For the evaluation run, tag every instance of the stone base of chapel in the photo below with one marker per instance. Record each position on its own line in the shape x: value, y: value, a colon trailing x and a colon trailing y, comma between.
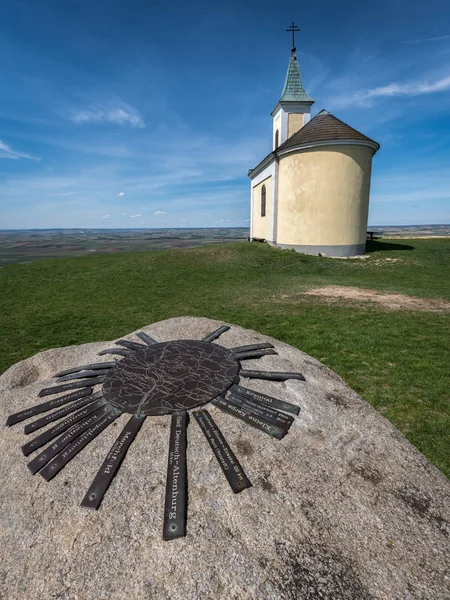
x: 339, y: 251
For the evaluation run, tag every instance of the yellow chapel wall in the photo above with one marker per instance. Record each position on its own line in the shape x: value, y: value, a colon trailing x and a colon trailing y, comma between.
x: 261, y: 225
x: 295, y: 122
x: 323, y: 196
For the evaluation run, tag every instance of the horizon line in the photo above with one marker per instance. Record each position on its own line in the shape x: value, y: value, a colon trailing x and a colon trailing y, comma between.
x: 184, y: 228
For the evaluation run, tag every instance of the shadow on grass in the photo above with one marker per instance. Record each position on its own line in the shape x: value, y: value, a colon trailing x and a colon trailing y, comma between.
x: 376, y: 246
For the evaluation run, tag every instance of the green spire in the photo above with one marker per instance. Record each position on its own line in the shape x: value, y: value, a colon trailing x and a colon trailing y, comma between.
x: 293, y: 90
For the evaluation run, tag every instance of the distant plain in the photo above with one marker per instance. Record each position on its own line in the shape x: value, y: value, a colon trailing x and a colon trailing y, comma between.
x: 24, y: 245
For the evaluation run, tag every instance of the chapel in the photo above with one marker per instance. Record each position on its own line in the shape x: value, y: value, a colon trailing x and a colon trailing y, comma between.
x: 311, y: 193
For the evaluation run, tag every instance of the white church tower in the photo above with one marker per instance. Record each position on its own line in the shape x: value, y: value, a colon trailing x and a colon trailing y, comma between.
x: 293, y: 109
x: 311, y: 193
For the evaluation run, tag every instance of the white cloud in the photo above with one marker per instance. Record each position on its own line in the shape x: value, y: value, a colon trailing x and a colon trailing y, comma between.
x: 120, y: 114
x: 223, y: 221
x: 121, y: 194
x: 7, y: 152
x: 412, y: 88
x: 105, y: 217
x: 171, y: 171
x: 158, y: 213
x: 135, y: 216
x: 432, y: 39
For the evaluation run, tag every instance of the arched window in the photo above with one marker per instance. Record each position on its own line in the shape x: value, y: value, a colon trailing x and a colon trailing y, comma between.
x: 276, y: 139
x: 263, y: 201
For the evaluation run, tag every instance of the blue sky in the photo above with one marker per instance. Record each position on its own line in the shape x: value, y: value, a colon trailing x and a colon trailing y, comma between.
x: 149, y: 114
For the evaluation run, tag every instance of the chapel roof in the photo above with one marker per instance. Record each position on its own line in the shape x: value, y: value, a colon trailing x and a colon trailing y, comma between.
x: 293, y: 90
x: 322, y: 128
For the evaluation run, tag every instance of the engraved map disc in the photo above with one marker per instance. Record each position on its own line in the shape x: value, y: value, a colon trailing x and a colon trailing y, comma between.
x: 170, y: 376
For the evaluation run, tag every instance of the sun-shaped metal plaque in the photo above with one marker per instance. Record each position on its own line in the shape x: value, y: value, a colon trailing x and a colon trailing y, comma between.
x: 155, y: 378
x: 170, y: 376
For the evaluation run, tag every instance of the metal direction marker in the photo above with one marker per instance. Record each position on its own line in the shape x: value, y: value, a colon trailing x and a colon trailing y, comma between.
x: 53, y: 432
x: 266, y: 400
x: 97, y: 373
x: 262, y: 346
x: 230, y: 465
x: 111, y: 464
x: 131, y: 345
x: 65, y: 439
x: 77, y: 445
x: 71, y: 386
x: 154, y: 378
x: 271, y: 375
x: 270, y: 415
x: 175, y: 508
x: 146, y: 338
x: 103, y: 365
x: 170, y: 377
x: 216, y: 333
x: 40, y: 408
x: 62, y: 412
x: 250, y: 418
x: 254, y: 354
x: 115, y: 351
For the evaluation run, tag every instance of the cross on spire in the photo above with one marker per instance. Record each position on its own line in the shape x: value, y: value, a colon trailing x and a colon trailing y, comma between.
x: 293, y: 28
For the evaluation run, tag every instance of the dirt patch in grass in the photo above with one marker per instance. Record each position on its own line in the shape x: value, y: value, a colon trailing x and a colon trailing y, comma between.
x: 337, y: 294
x: 385, y: 261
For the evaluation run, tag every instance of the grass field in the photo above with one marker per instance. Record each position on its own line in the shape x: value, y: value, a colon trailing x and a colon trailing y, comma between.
x: 396, y: 359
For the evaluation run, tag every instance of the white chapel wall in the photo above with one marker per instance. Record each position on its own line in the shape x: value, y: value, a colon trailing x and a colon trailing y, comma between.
x: 276, y: 127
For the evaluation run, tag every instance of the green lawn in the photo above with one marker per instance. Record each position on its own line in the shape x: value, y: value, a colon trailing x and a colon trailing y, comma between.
x: 397, y: 360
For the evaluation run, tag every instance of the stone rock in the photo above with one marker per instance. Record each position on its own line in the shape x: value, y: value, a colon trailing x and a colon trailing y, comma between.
x: 344, y: 507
